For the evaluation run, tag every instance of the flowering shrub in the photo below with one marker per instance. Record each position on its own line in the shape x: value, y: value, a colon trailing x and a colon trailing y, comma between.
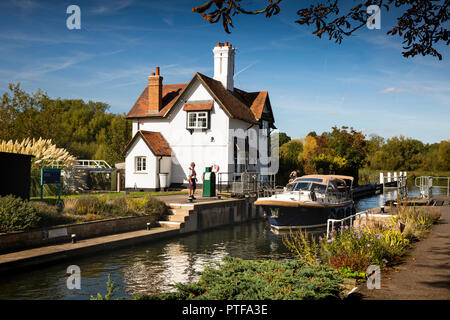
x: 357, y: 248
x: 353, y: 249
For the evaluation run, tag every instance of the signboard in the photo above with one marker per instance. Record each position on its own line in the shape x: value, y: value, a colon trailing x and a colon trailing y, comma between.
x: 50, y: 176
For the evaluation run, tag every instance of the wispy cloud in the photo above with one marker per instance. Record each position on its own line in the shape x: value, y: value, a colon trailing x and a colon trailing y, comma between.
x: 168, y: 21
x: 25, y: 4
x: 51, y: 65
x: 111, y: 7
x: 41, y: 38
x: 391, y: 90
x: 242, y: 70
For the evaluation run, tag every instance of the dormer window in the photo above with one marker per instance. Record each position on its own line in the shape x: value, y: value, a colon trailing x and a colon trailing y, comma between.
x: 197, y: 115
x: 197, y: 120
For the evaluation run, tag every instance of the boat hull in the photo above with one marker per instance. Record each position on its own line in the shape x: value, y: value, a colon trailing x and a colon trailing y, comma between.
x: 305, y: 216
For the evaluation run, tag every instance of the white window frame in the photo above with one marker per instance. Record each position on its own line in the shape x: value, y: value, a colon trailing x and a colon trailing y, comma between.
x: 140, y: 164
x: 198, y: 115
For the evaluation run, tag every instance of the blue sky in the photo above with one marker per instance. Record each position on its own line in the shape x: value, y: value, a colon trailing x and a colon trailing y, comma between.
x: 313, y: 83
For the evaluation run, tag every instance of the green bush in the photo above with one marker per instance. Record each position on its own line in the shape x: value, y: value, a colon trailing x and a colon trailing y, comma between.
x: 49, y: 215
x: 238, y: 279
x: 120, y: 206
x: 17, y: 214
x: 91, y: 205
x: 155, y: 207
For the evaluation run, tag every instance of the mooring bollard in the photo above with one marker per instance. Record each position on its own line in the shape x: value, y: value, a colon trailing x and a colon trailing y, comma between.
x: 148, y: 225
x: 382, y: 209
x: 74, y: 238
x: 219, y: 197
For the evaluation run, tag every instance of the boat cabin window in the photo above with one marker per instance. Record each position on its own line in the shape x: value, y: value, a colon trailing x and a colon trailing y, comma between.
x: 321, y: 188
x: 337, y: 186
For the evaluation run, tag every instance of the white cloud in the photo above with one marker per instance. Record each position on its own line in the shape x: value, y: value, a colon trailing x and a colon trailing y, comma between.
x: 390, y: 90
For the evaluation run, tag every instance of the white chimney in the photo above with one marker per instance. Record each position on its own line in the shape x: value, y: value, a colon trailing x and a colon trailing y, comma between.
x: 224, y: 64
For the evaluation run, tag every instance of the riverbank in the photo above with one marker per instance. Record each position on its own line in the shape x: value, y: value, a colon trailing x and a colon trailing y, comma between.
x: 186, y: 217
x: 423, y: 273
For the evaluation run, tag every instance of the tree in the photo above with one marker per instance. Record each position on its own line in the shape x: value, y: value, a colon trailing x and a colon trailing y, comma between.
x: 341, y: 151
x: 444, y: 156
x: 85, y: 130
x: 283, y: 138
x: 289, y: 160
x: 422, y: 24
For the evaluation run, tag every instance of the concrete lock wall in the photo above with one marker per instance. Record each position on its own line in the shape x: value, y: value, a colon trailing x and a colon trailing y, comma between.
x: 59, y: 234
x: 207, y: 216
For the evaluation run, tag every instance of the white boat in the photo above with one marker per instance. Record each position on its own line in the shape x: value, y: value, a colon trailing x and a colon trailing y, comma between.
x: 309, y: 201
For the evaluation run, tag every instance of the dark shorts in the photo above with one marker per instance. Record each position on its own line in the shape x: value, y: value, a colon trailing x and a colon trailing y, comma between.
x: 193, y: 185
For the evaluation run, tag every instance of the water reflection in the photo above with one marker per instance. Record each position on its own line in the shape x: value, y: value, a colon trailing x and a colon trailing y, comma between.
x: 155, y: 267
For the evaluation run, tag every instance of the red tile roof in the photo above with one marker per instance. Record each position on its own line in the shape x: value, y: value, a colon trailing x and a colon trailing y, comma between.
x: 246, y: 106
x: 170, y: 93
x: 199, y: 106
x: 154, y: 140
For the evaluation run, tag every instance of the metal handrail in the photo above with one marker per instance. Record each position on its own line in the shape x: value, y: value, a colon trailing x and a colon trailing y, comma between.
x: 426, y: 183
x: 332, y: 221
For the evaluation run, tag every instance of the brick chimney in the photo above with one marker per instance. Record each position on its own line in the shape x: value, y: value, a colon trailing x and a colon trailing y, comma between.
x: 224, y: 64
x: 154, y: 92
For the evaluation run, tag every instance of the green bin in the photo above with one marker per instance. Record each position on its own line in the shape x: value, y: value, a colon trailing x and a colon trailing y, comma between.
x: 209, y: 183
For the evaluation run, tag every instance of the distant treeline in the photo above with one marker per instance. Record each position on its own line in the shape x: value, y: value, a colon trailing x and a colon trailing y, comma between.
x: 86, y: 130
x: 345, y: 151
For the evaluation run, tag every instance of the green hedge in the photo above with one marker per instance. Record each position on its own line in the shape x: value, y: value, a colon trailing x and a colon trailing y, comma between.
x: 17, y: 215
x: 238, y: 279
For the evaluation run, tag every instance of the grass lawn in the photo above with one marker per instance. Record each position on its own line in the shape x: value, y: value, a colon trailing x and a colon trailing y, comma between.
x: 110, y: 195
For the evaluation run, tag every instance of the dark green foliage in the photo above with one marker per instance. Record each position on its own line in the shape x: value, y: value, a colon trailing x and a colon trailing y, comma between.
x: 400, y: 153
x: 238, y: 279
x: 16, y: 214
x: 155, y: 207
x: 49, y: 215
x: 289, y: 160
x: 283, y: 138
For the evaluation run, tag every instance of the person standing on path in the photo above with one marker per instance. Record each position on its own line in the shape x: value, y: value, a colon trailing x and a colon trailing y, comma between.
x: 192, y: 181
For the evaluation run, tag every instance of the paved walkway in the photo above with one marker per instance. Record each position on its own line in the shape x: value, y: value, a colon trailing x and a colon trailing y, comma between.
x: 31, y: 257
x: 425, y: 272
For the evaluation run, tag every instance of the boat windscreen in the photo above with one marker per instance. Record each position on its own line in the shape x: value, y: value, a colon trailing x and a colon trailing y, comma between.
x: 309, y: 179
x: 301, y: 186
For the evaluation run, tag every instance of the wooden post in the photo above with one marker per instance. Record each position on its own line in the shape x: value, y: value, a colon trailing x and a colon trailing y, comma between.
x: 118, y: 181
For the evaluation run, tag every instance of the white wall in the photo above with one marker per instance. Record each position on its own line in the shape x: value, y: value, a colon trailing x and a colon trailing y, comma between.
x: 196, y: 147
x: 145, y: 179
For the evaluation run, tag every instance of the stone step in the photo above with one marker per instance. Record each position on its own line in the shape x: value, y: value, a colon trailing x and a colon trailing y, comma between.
x: 178, y: 217
x: 179, y: 211
x: 171, y: 224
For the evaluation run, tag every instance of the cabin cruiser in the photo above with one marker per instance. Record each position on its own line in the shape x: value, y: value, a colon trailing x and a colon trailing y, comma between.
x: 309, y: 201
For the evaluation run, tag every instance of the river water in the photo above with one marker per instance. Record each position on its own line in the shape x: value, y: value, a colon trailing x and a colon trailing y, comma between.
x: 154, y: 267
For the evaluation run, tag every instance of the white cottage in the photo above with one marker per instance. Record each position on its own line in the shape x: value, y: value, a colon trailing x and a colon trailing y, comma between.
x: 207, y: 121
